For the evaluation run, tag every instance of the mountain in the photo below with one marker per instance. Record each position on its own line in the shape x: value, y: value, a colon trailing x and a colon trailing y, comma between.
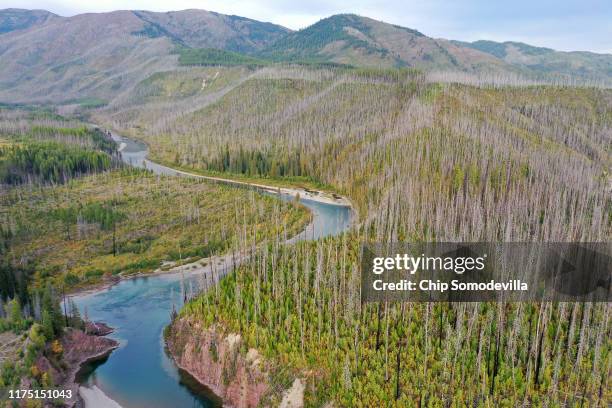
x: 546, y: 60
x: 89, y: 54
x: 102, y: 54
x: 48, y: 58
x: 205, y: 29
x: 20, y: 19
x: 361, y: 41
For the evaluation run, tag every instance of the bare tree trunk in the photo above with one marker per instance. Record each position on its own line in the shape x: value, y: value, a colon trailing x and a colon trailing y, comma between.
x: 378, y: 326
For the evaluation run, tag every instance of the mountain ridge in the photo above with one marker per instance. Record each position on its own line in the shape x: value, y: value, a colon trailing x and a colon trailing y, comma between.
x: 346, y: 38
x: 102, y: 54
x: 5, y: 11
x: 200, y: 29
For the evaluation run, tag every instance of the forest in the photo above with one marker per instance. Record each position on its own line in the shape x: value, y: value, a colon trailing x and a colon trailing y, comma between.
x: 412, y: 149
x: 37, y: 146
x: 71, y: 216
x: 300, y: 307
x: 421, y: 161
x: 425, y: 139
x: 48, y: 162
x: 40, y: 148
x: 42, y: 325
x: 130, y: 221
x: 422, y: 158
x: 215, y: 57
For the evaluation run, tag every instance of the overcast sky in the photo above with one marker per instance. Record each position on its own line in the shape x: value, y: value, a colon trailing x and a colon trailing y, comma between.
x: 560, y: 24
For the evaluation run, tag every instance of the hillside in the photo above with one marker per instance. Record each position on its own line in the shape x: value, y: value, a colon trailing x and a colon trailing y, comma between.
x: 361, y: 41
x: 421, y: 162
x: 315, y: 123
x: 338, y: 107
x: 71, y: 220
x: 103, y: 54
x: 205, y: 29
x: 92, y: 55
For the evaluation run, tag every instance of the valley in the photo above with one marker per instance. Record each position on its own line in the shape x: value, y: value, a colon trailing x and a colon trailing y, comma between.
x: 205, y: 183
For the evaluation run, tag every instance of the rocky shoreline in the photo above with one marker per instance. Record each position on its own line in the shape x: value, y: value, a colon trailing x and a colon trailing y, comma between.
x: 213, y: 358
x: 215, y: 361
x: 77, y: 348
x: 81, y: 348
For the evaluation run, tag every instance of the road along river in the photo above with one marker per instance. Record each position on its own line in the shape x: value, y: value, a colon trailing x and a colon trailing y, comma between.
x: 139, y: 373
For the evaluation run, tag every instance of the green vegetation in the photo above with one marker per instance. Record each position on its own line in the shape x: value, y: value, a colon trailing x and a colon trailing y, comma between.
x: 213, y: 56
x: 303, y: 47
x: 340, y: 39
x: 307, y: 44
x: 316, y: 124
x: 40, y: 332
x: 422, y: 162
x: 302, y: 311
x: 37, y: 146
x: 422, y: 155
x: 256, y: 164
x: 216, y: 57
x: 80, y: 136
x: 69, y: 219
x: 131, y: 221
x: 48, y: 162
x: 545, y: 62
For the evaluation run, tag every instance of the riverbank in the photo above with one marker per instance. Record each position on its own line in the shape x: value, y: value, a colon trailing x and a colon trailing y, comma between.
x: 59, y: 363
x: 205, y: 265
x: 214, y: 360
x: 301, y: 192
x: 80, y: 349
x: 213, y: 264
x: 321, y: 196
x: 146, y: 303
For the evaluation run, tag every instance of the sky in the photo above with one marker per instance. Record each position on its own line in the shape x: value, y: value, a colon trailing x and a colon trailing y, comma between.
x: 567, y: 25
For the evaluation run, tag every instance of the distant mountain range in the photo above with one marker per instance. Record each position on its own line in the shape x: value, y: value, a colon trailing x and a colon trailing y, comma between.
x: 361, y: 41
x: 546, y: 60
x: 46, y: 57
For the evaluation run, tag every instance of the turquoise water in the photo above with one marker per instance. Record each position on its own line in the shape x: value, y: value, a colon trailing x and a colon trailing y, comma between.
x: 140, y: 373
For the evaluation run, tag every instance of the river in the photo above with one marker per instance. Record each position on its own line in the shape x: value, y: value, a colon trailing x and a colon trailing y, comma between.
x: 140, y: 373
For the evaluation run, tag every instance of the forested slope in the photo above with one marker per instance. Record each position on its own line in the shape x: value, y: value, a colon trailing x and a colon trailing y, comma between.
x: 38, y: 146
x: 73, y: 215
x: 422, y: 161
x: 300, y: 308
x: 458, y: 162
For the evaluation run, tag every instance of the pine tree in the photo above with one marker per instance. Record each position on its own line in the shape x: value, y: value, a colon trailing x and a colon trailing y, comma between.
x: 51, y: 305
